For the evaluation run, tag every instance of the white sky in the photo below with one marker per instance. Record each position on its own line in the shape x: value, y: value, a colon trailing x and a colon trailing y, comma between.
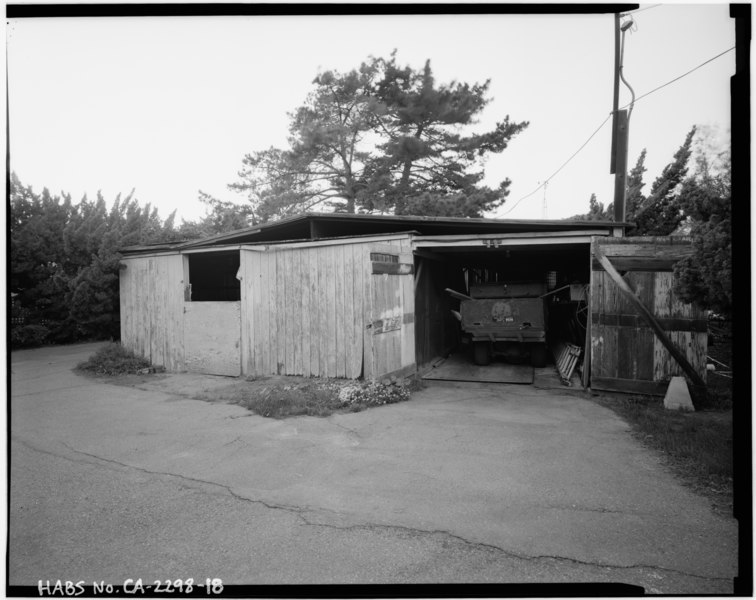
x: 169, y: 106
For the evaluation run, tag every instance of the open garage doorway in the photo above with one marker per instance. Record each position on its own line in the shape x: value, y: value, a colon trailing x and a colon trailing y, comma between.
x: 503, y: 310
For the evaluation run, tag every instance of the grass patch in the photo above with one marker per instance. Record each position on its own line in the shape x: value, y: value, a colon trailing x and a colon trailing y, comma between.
x: 697, y: 445
x: 321, y: 398
x: 113, y: 359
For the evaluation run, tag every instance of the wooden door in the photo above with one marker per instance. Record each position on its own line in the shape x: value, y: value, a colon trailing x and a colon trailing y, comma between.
x: 390, y: 335
x: 626, y: 355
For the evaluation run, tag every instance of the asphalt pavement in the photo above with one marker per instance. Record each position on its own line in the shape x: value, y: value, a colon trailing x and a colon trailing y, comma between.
x: 495, y: 484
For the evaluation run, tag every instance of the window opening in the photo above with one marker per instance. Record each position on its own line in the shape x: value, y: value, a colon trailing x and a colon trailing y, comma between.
x: 212, y: 277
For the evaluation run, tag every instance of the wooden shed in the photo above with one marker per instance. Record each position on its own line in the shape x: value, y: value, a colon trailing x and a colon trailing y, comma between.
x: 363, y: 296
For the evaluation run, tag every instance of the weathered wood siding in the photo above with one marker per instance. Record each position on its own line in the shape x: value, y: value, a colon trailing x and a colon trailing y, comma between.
x: 390, y: 338
x: 151, y: 303
x: 212, y: 333
x: 625, y: 353
x: 305, y: 309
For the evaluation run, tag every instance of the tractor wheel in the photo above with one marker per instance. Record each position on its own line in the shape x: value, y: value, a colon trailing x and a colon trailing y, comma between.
x: 481, y: 353
x: 538, y: 355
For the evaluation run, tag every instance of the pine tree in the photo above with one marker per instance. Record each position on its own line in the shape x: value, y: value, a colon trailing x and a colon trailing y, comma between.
x: 427, y: 156
x: 661, y: 212
x: 380, y: 138
x: 705, y: 278
x: 634, y: 197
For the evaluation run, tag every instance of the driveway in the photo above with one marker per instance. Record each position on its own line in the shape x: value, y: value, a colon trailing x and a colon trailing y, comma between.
x: 496, y: 484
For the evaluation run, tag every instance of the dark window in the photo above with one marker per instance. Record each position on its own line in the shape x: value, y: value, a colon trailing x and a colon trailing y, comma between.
x: 213, y: 277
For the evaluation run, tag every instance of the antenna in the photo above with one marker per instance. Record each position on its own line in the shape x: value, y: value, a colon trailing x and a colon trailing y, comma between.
x: 545, y: 185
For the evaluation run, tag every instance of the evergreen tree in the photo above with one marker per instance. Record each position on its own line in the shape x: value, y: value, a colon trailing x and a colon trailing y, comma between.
x: 427, y: 156
x: 39, y: 269
x: 380, y: 138
x: 64, y: 262
x: 634, y: 197
x: 662, y: 212
x: 705, y: 278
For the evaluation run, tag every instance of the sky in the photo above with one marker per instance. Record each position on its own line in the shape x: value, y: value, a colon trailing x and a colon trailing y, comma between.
x: 169, y: 106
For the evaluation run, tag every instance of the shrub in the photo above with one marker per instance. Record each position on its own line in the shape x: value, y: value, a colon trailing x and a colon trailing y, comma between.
x: 28, y: 336
x: 113, y: 359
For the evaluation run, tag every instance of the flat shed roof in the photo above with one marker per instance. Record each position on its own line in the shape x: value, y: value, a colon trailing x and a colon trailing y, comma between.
x: 315, y: 226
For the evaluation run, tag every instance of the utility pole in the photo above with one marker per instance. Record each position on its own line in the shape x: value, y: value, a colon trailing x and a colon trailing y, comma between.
x: 615, y: 104
x: 620, y: 131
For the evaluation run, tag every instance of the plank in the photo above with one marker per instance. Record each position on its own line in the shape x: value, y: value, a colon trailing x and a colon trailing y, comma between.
x: 604, y: 347
x: 300, y: 286
x: 253, y: 301
x: 408, y: 351
x: 151, y: 298
x: 325, y: 311
x: 159, y: 308
x: 368, y: 354
x: 271, y: 349
x: 642, y: 263
x: 178, y: 314
x: 349, y: 308
x: 635, y: 320
x: 629, y: 386
x: 304, y: 273
x: 289, y: 302
x: 315, y: 316
x: 280, y: 309
x: 663, y: 296
x: 246, y: 350
x: 340, y: 302
x: 358, y: 322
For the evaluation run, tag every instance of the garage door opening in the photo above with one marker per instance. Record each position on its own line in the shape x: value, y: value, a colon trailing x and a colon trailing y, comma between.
x: 514, y: 312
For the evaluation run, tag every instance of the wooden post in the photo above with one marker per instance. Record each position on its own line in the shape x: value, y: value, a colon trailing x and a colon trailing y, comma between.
x: 648, y: 317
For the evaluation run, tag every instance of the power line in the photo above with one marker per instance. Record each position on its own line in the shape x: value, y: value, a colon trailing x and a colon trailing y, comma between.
x: 683, y: 75
x: 546, y: 181
x: 637, y: 10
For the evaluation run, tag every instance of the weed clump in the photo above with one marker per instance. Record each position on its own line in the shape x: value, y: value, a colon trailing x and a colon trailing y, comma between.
x: 320, y: 399
x: 113, y: 359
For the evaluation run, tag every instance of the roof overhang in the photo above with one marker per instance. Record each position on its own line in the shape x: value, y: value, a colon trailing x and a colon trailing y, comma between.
x: 319, y: 226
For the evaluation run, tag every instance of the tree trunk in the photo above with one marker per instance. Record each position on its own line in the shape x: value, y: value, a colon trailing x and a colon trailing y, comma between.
x: 403, y: 188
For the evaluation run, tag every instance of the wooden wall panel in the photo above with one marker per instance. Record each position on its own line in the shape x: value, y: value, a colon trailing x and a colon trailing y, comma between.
x: 212, y: 338
x: 151, y: 301
x: 305, y: 311
x: 626, y: 354
x: 355, y: 279
x: 337, y: 261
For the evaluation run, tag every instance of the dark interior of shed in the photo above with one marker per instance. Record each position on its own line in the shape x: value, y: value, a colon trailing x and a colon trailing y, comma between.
x: 564, y: 268
x: 212, y: 276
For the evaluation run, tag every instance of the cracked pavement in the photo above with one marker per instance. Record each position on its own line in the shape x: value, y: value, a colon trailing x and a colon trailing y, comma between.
x: 506, y: 484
